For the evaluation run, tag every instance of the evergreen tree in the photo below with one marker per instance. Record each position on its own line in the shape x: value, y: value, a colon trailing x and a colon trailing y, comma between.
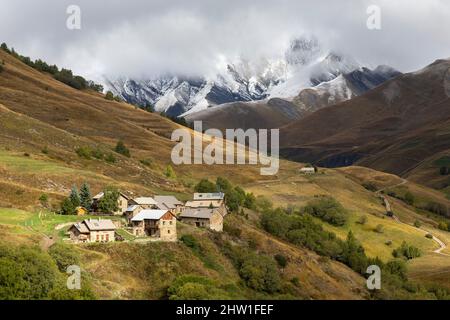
x: 67, y: 207
x: 85, y: 196
x: 75, y: 197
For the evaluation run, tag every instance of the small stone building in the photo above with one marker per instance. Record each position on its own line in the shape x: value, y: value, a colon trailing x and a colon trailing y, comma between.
x: 93, y: 230
x: 161, y: 224
x: 203, y: 217
x: 210, y: 201
x: 169, y: 203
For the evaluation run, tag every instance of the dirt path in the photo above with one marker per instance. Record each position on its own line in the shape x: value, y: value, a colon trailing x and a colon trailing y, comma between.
x: 388, y: 207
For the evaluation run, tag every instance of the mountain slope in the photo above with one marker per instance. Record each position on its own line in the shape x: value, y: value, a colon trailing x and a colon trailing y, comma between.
x: 393, y: 128
x: 277, y: 112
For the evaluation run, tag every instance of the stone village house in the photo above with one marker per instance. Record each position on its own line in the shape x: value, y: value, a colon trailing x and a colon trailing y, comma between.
x: 93, y: 230
x: 208, y: 200
x: 203, y: 217
x: 161, y: 224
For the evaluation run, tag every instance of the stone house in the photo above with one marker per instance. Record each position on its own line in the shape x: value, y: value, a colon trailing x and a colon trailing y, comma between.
x: 211, y: 218
x: 93, y: 230
x: 169, y: 203
x: 208, y: 200
x: 161, y: 224
x: 307, y: 170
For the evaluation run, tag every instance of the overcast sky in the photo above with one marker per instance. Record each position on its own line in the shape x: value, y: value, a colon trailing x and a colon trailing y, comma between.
x: 148, y: 37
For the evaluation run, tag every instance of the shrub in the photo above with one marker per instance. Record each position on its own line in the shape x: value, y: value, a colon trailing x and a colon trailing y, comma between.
x: 110, y: 158
x: 388, y: 243
x: 363, y: 220
x: 45, y: 150
x: 191, y: 242
x: 64, y: 256
x: 205, y: 186
x: 409, y: 198
x: 327, y: 209
x: 232, y: 230
x: 370, y: 186
x: 84, y: 152
x: 281, y: 260
x: 43, y: 199
x: 379, y: 228
x: 260, y: 273
x: 417, y: 224
x: 429, y: 236
x: 109, y: 96
x: 189, y: 287
x: 443, y: 226
x: 170, y: 173
x: 147, y: 162
x: 406, y: 251
x: 122, y: 149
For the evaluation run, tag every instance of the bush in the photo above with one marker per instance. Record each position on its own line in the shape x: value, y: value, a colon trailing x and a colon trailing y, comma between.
x: 370, y: 186
x: 363, y: 220
x: 122, y: 149
x: 84, y: 152
x: 191, y: 242
x: 443, y: 226
x: 147, y: 162
x: 189, y: 287
x: 43, y: 199
x: 232, y: 230
x: 205, y: 186
x: 110, y: 158
x: 64, y: 256
x: 67, y: 207
x: 417, y: 224
x: 109, y: 96
x: 170, y: 173
x: 429, y: 236
x: 406, y: 251
x: 281, y: 260
x: 260, y: 273
x: 327, y: 209
x: 409, y: 198
x: 379, y: 228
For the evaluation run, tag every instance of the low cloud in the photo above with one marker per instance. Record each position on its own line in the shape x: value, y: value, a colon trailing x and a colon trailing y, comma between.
x: 146, y: 38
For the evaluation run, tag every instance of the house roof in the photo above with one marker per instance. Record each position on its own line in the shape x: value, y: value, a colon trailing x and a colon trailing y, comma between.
x: 209, y: 196
x: 133, y: 207
x: 102, y: 194
x: 201, y: 213
x: 98, y: 196
x: 81, y: 227
x: 149, y: 215
x: 204, y: 203
x: 167, y: 202
x: 99, y: 224
x: 145, y: 201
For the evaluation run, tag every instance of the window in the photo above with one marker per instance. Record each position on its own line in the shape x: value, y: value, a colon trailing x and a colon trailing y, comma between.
x: 168, y: 231
x: 107, y: 237
x: 97, y: 238
x: 171, y: 222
